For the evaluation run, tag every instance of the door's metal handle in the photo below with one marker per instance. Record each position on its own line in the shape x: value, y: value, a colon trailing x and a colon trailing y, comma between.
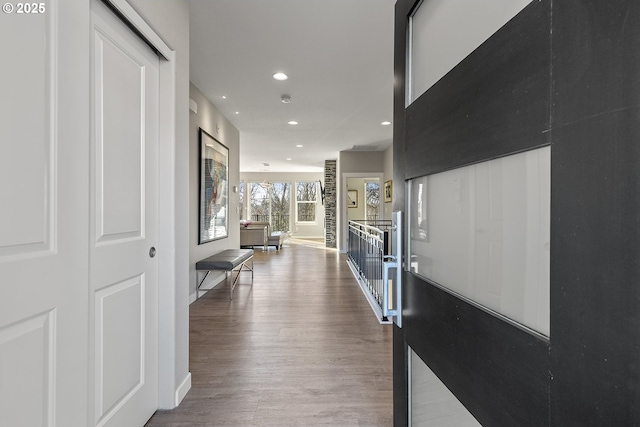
x: 152, y: 252
x: 386, y: 310
x: 392, y: 305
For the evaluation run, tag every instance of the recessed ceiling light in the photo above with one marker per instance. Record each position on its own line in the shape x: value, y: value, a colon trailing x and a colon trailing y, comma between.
x: 299, y: 146
x: 385, y: 123
x: 286, y: 99
x: 224, y: 97
x: 288, y: 158
x: 293, y: 122
x: 280, y: 76
x: 237, y: 112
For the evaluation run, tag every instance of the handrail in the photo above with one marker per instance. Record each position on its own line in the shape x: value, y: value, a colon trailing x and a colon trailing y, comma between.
x: 368, y: 245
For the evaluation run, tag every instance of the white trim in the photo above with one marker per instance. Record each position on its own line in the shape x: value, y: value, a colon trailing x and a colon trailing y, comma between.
x: 167, y: 236
x: 183, y: 389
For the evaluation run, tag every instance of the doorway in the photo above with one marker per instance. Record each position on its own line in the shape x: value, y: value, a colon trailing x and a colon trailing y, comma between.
x: 363, y: 199
x: 360, y: 200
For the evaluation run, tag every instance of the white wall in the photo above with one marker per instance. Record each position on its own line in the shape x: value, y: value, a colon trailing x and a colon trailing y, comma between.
x: 170, y: 19
x: 215, y: 124
x: 302, y: 229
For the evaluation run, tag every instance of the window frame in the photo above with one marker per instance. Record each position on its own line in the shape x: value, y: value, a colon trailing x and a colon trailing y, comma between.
x: 313, y: 202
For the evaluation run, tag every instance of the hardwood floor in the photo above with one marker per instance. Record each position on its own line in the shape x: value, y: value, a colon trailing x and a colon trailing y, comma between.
x: 299, y: 347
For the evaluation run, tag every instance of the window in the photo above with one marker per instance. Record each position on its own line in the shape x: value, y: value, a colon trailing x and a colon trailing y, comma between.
x: 306, y: 192
x: 372, y: 200
x: 270, y: 202
x: 259, y: 206
x: 280, y: 206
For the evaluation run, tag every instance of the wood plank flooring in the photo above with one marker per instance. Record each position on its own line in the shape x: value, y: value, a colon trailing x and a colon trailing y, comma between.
x: 299, y: 347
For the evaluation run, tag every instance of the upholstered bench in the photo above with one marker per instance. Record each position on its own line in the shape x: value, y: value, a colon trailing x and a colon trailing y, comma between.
x: 229, y: 260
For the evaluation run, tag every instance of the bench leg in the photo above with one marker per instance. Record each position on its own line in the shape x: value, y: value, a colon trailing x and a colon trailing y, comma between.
x: 238, y: 271
x: 200, y: 283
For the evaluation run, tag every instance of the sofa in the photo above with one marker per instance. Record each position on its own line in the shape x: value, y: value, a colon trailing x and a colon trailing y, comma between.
x: 254, y: 234
x: 258, y: 233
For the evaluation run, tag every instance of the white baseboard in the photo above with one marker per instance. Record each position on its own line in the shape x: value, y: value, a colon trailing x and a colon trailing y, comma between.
x: 192, y: 298
x: 182, y: 390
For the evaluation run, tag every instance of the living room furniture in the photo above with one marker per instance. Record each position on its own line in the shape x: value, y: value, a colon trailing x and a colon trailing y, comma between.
x: 251, y: 234
x: 277, y: 238
x: 254, y: 234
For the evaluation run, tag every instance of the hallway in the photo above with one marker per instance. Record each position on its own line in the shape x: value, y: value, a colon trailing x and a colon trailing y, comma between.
x: 300, y: 347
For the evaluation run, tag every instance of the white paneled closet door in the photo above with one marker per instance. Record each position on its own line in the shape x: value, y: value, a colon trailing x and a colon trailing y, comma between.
x: 123, y: 224
x: 43, y: 214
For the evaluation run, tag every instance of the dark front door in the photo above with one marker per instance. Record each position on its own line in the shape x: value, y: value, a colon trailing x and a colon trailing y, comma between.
x: 559, y: 81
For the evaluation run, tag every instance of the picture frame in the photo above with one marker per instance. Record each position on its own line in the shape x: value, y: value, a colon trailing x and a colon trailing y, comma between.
x: 388, y: 188
x: 214, y: 189
x: 352, y: 198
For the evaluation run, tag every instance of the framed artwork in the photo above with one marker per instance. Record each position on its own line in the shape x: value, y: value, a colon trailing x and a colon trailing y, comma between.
x: 352, y: 198
x: 214, y: 189
x: 387, y: 191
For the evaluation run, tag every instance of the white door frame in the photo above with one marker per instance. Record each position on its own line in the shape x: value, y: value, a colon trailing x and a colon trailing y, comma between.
x: 169, y: 393
x: 343, y: 225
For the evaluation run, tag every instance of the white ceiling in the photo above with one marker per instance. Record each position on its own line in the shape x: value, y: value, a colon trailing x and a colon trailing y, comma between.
x: 339, y: 58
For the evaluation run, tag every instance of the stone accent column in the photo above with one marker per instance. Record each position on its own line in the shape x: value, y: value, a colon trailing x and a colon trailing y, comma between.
x: 330, y: 203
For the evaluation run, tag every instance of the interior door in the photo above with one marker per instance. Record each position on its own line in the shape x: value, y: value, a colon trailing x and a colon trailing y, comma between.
x: 43, y: 215
x: 123, y: 224
x: 451, y: 137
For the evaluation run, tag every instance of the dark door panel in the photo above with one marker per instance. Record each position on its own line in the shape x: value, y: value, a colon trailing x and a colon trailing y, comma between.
x: 499, y: 371
x: 564, y: 74
x: 493, y: 103
x: 496, y: 102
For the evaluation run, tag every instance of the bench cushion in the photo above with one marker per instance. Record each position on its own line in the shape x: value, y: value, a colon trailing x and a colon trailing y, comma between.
x: 225, y: 260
